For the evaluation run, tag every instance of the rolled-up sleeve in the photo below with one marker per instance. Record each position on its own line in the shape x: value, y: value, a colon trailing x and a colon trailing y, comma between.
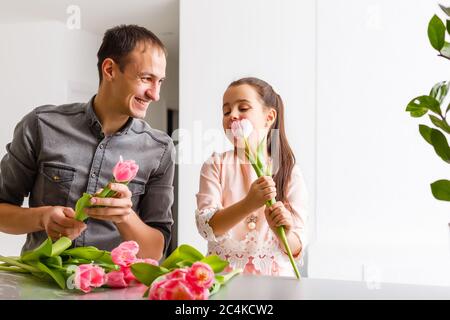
x: 18, y: 167
x: 155, y: 209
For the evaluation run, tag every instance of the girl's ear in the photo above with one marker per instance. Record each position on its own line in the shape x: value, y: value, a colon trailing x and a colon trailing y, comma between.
x: 271, y: 117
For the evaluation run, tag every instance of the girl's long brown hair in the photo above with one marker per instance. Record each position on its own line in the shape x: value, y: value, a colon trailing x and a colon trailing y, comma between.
x: 277, y: 144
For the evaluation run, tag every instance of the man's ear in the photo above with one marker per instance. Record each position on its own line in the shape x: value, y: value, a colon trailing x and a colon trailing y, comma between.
x: 271, y: 117
x: 108, y: 69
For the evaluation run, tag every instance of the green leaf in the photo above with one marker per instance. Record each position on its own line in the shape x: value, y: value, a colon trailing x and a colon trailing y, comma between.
x: 440, y: 123
x: 146, y: 293
x: 439, y: 91
x: 184, y: 264
x: 440, y: 145
x: 420, y: 105
x: 445, y: 51
x: 90, y: 253
x: 441, y: 190
x: 55, y: 262
x: 44, y: 250
x: 14, y: 262
x: 60, y: 245
x: 183, y: 253
x: 216, y: 263
x: 55, y: 274
x: 425, y: 132
x: 83, y: 202
x: 147, y: 273
x: 436, y: 33
x: 445, y: 9
x: 13, y: 269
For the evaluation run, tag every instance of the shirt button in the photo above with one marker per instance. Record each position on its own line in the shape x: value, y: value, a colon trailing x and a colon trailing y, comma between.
x: 102, y: 146
x: 93, y: 175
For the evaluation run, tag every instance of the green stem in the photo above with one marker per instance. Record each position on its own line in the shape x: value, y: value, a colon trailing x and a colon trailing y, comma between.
x: 16, y: 263
x: 13, y: 269
x: 282, y: 235
x: 230, y: 275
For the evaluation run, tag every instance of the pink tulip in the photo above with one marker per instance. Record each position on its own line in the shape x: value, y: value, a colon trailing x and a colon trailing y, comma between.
x: 242, y: 128
x: 125, y: 253
x: 88, y: 276
x: 177, y: 274
x: 125, y: 171
x: 200, y: 275
x: 147, y: 260
x: 116, y: 279
x: 171, y: 289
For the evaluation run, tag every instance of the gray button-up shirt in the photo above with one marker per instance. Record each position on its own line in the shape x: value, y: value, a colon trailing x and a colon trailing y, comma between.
x: 59, y: 152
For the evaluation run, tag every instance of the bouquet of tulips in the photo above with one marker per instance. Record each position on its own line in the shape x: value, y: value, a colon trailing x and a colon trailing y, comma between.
x: 185, y: 275
x: 81, y: 268
x: 242, y: 129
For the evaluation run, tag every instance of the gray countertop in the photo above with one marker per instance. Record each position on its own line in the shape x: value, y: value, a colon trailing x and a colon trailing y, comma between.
x: 25, y: 287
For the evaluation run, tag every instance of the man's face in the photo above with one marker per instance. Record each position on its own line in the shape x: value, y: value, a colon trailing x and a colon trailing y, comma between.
x: 140, y: 82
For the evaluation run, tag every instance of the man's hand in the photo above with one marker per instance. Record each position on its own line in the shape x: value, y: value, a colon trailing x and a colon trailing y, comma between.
x: 117, y: 209
x: 59, y: 221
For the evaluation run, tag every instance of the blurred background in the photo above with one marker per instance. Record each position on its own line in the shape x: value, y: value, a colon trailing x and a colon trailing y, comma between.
x: 346, y: 70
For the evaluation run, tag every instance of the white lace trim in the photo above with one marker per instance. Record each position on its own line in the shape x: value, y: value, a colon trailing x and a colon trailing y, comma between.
x: 202, y: 218
x: 262, y: 253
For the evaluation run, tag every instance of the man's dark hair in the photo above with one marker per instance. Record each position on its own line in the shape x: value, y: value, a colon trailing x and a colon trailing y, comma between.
x: 119, y: 41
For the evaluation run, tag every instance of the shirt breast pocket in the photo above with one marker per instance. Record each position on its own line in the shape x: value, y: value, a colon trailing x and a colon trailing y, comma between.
x: 137, y: 189
x: 57, y: 181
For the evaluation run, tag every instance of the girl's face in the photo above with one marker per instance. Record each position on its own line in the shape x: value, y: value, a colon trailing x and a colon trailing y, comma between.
x: 243, y: 102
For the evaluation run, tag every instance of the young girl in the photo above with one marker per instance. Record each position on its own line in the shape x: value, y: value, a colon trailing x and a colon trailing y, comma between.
x: 231, y: 212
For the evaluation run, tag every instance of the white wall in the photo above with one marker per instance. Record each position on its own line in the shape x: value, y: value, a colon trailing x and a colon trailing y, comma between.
x: 221, y: 41
x: 374, y: 205
x: 41, y: 63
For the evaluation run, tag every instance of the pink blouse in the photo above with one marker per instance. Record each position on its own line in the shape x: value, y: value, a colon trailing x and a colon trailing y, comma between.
x: 225, y: 180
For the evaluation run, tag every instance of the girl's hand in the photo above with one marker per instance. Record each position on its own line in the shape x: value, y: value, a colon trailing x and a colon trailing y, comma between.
x: 277, y: 215
x: 261, y: 190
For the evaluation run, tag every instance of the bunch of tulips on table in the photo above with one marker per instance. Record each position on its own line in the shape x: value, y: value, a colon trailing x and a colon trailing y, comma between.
x: 185, y: 274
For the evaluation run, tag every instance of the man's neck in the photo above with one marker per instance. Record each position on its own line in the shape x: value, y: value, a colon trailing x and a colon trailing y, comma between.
x: 110, y: 120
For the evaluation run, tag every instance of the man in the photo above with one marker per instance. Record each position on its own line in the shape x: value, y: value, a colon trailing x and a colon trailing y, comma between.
x: 59, y: 152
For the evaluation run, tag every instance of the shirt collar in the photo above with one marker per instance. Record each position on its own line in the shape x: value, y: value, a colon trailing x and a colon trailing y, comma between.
x: 95, y: 124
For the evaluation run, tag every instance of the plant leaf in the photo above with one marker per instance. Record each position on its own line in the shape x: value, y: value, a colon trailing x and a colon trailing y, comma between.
x: 440, y: 123
x: 183, y: 253
x: 55, y: 274
x: 440, y: 90
x: 425, y: 132
x: 445, y: 51
x: 420, y: 105
x: 89, y: 253
x: 216, y: 263
x: 440, y: 145
x: 44, y: 250
x: 82, y: 203
x: 441, y: 190
x: 60, y: 245
x: 445, y: 9
x: 436, y: 33
x: 55, y: 262
x: 147, y: 273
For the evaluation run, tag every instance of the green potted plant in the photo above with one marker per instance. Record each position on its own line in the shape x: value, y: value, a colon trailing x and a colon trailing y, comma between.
x: 433, y: 104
